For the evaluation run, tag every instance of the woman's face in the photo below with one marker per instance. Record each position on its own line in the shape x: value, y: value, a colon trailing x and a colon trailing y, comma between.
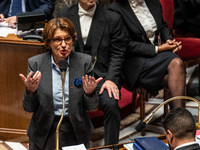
x: 61, y: 45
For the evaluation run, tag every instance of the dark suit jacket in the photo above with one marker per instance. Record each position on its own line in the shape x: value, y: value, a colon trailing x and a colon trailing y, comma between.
x: 41, y: 103
x: 139, y: 48
x: 107, y: 38
x: 190, y: 147
x: 31, y: 5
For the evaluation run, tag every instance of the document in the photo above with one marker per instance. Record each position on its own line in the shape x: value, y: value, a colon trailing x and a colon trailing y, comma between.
x: 5, y: 29
x: 75, y: 147
x: 198, y: 136
x: 128, y: 146
x: 149, y: 143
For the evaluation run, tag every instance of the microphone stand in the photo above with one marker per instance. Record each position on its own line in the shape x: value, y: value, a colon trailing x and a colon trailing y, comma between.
x: 142, y: 124
x: 63, y: 110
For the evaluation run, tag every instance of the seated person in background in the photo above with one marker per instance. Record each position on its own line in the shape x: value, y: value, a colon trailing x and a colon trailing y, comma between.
x: 9, y: 8
x: 180, y: 130
x: 187, y: 16
x: 150, y: 60
x: 43, y: 94
x: 100, y: 34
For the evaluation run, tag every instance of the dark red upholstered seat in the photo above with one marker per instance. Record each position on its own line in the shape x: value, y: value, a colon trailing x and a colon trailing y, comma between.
x: 190, y: 52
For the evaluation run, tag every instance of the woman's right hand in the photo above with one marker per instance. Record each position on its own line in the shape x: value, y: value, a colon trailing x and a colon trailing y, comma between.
x: 31, y: 83
x: 172, y: 45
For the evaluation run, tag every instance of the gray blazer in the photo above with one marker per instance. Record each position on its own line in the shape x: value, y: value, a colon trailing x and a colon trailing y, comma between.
x: 41, y: 103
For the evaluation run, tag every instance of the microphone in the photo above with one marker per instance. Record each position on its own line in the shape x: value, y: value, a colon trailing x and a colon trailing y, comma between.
x: 63, y: 67
x: 142, y: 124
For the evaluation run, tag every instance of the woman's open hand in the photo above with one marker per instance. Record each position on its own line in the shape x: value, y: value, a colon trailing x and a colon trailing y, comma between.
x: 31, y: 83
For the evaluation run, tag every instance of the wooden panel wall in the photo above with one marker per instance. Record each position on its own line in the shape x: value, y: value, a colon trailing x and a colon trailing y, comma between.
x: 13, y: 61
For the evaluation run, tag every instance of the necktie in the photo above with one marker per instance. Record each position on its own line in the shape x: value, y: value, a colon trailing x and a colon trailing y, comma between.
x: 16, y: 7
x: 85, y: 13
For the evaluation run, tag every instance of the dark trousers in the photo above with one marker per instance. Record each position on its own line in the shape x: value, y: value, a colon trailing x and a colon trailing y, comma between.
x: 112, y: 119
x: 67, y: 136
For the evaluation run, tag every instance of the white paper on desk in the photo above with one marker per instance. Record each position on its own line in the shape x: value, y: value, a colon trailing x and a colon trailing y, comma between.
x: 5, y: 29
x: 75, y: 147
x: 3, y: 24
x: 198, y: 139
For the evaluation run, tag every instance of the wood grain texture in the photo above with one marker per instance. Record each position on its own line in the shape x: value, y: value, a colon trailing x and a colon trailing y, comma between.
x: 14, y: 54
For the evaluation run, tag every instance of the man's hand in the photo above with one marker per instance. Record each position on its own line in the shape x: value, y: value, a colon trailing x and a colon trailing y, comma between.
x: 11, y: 21
x: 112, y: 89
x: 1, y: 18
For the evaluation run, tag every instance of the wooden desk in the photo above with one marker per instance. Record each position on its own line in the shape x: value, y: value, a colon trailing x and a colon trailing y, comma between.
x: 120, y: 146
x: 14, y: 53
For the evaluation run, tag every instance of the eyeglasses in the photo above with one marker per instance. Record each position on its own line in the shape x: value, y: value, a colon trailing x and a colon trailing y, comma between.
x: 58, y: 41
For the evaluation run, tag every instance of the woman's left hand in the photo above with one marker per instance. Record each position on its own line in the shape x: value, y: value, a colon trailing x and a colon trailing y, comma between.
x: 89, y: 84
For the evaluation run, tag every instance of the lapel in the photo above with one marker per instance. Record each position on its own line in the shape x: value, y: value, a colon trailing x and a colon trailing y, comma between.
x: 153, y: 8
x: 46, y: 81
x: 97, y: 29
x: 131, y: 15
x: 73, y: 74
x: 72, y: 70
x: 74, y: 17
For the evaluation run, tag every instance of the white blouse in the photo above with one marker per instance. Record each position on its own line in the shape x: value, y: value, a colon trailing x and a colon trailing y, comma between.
x: 145, y: 17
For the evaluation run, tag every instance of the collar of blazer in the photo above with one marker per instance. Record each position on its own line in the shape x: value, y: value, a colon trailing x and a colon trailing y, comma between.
x: 127, y: 10
x: 74, y: 17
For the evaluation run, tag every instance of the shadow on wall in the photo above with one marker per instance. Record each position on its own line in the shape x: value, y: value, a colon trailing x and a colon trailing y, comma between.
x: 67, y: 3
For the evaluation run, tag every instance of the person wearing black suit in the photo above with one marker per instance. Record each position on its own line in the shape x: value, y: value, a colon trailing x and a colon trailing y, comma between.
x: 180, y: 130
x: 43, y: 94
x: 100, y: 34
x: 151, y: 60
x: 187, y: 16
x: 47, y: 6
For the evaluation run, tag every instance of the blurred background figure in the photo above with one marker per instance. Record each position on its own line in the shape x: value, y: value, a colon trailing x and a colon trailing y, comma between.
x: 180, y: 130
x: 187, y: 16
x: 9, y: 8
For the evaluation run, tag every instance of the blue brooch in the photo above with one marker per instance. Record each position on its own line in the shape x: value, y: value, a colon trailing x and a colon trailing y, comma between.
x: 78, y: 82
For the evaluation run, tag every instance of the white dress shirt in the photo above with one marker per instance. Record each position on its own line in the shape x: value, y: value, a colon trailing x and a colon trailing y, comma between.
x: 85, y: 18
x: 57, y: 89
x: 145, y: 18
x: 186, y: 144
